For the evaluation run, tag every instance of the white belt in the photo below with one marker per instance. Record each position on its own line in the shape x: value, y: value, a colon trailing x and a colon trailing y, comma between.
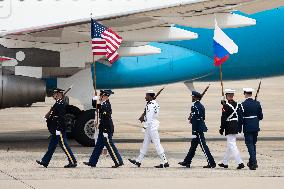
x: 233, y: 119
x: 250, y: 117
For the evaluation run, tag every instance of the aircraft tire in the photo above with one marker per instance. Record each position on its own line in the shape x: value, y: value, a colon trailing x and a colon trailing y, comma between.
x: 83, y: 131
x: 72, y: 113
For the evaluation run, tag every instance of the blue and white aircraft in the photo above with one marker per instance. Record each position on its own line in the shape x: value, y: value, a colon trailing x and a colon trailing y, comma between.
x: 164, y: 42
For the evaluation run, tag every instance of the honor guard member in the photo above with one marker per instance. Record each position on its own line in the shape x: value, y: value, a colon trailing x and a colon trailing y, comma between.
x: 230, y: 125
x: 106, y: 130
x: 251, y: 115
x: 96, y: 106
x: 151, y: 125
x: 196, y: 118
x: 56, y: 126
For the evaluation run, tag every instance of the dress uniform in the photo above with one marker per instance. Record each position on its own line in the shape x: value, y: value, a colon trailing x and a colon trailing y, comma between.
x: 197, y: 117
x: 106, y: 130
x: 56, y: 127
x: 230, y: 124
x: 251, y: 115
x: 151, y: 125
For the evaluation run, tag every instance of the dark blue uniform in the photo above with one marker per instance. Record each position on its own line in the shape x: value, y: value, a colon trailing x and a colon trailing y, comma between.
x: 55, y: 122
x: 197, y: 118
x: 251, y: 114
x: 105, y: 126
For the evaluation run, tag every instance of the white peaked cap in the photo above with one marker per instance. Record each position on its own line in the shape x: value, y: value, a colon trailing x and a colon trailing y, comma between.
x: 230, y: 91
x: 248, y: 90
x: 150, y: 91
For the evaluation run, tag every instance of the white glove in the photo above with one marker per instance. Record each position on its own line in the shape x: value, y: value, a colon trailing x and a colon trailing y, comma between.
x: 95, y: 98
x: 105, y: 135
x: 223, y: 98
x: 57, y: 133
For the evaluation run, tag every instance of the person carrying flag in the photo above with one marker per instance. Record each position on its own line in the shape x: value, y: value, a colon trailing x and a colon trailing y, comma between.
x: 230, y: 124
x: 106, y: 130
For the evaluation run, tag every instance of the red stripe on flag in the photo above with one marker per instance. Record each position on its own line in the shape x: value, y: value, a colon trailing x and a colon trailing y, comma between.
x: 219, y: 61
x: 112, y: 40
x: 2, y: 59
x: 99, y: 53
x: 98, y: 42
x: 112, y: 57
x: 98, y: 47
x: 117, y: 36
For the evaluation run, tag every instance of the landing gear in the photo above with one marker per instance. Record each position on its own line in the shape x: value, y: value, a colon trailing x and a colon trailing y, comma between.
x: 84, y: 131
x: 80, y: 125
x: 72, y: 112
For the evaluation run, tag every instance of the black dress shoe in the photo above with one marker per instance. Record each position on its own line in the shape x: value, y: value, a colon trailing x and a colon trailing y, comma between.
x: 209, y: 166
x: 71, y: 165
x: 248, y: 164
x: 134, y: 162
x: 41, y: 163
x: 163, y: 165
x: 241, y: 166
x: 223, y: 165
x: 89, y: 164
x: 117, y: 165
x: 182, y: 163
x: 253, y: 167
x: 166, y: 165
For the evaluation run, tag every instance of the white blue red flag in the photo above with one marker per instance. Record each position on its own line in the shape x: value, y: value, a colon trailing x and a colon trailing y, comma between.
x: 223, y: 46
x: 104, y: 41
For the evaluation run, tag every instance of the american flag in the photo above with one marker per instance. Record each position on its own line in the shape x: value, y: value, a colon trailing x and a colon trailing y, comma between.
x: 104, y: 41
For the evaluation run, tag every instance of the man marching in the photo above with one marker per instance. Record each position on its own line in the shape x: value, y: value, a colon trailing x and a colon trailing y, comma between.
x: 230, y: 124
x: 197, y: 117
x: 251, y: 115
x: 106, y: 130
x: 151, y: 125
x: 56, y: 127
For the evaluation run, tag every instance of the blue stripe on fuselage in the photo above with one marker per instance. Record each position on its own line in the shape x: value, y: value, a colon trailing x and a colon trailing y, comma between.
x: 261, y: 47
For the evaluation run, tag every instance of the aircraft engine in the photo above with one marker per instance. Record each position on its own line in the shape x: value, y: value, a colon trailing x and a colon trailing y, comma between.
x: 20, y: 91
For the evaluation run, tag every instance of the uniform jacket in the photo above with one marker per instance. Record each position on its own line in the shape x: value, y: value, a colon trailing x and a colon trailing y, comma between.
x: 56, y: 119
x: 230, y: 118
x: 197, y: 117
x: 251, y: 114
x: 106, y: 124
x: 152, y: 115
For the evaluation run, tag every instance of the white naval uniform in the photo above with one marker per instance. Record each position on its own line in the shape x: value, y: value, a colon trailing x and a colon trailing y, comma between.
x: 151, y: 132
x: 232, y: 150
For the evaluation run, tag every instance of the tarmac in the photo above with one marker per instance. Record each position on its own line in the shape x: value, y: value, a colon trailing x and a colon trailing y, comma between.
x: 24, y: 139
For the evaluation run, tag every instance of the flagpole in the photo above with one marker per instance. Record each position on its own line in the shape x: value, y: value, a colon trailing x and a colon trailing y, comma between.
x: 221, y: 79
x: 95, y: 81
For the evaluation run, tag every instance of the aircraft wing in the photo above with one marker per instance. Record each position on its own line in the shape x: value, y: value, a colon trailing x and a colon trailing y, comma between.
x: 137, y: 27
x: 159, y: 16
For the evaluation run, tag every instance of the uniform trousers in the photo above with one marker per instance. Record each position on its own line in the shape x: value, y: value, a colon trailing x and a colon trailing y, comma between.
x: 232, y: 150
x: 199, y: 139
x: 62, y: 140
x: 250, y: 140
x: 105, y: 141
x: 152, y: 135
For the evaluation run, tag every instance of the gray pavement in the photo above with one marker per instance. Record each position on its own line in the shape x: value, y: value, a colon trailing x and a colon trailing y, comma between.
x: 23, y: 139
